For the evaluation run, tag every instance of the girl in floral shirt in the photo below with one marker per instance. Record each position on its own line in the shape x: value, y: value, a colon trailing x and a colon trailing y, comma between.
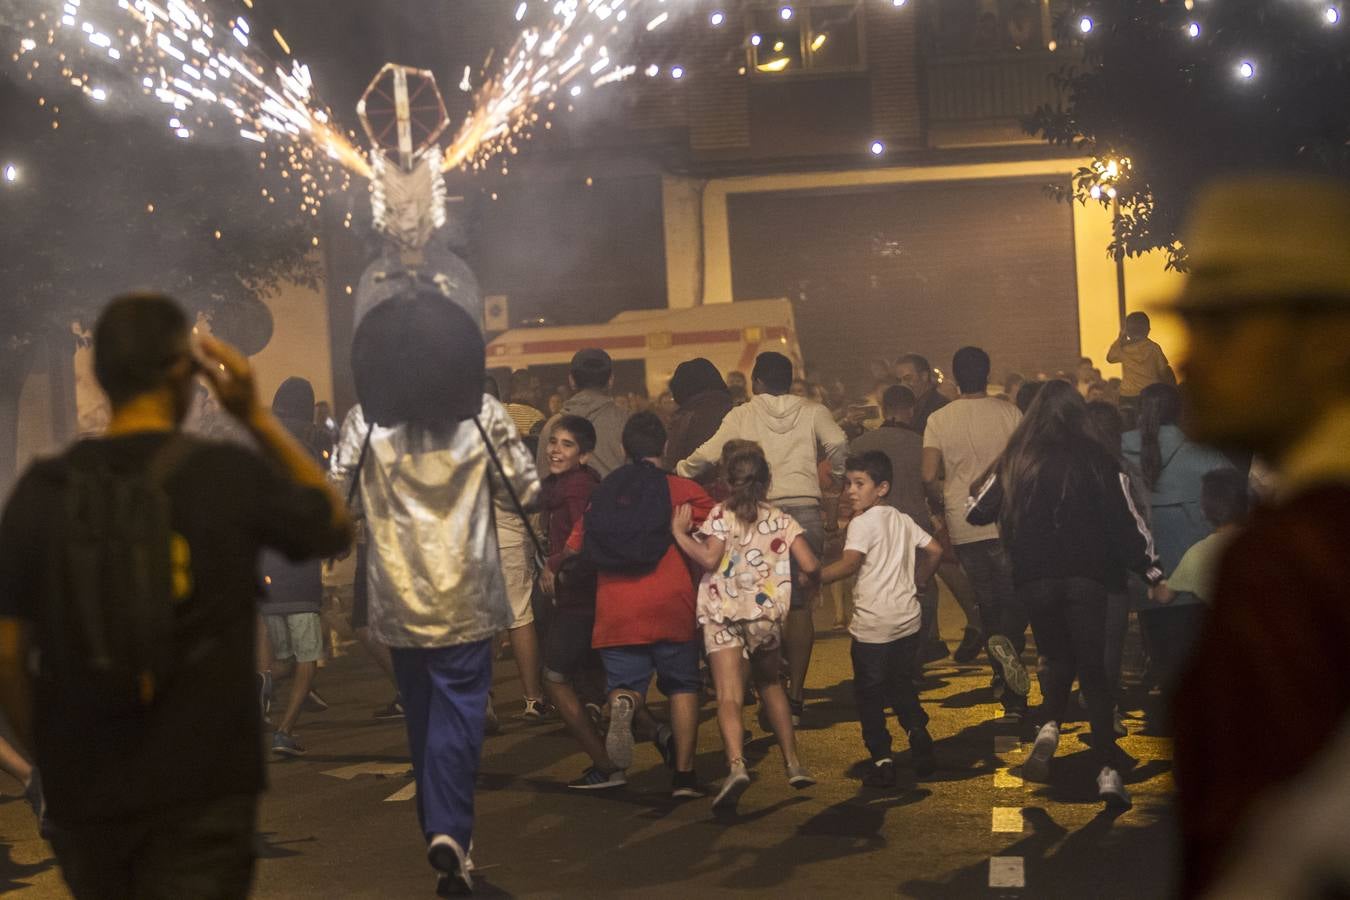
x: 746, y: 547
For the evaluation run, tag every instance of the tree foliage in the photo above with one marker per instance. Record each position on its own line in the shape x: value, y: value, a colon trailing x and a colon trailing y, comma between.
x: 1172, y: 100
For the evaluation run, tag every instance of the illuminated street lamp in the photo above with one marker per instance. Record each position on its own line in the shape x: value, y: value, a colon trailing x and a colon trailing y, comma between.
x: 1109, y: 172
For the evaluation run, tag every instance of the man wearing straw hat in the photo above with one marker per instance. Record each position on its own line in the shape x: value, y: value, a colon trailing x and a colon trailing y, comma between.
x: 1267, y: 306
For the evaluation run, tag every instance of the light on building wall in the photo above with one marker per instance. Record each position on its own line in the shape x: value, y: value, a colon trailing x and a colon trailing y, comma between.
x: 898, y: 3
x: 1193, y: 29
x: 717, y: 19
x: 1246, y: 69
x: 877, y: 148
x: 755, y: 40
x: 576, y: 90
x: 1085, y: 24
x: 11, y: 173
x: 1332, y: 15
x: 785, y: 13
x: 677, y: 72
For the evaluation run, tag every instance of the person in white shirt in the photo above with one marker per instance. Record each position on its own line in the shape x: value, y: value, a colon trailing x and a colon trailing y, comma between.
x: 891, y: 555
x: 961, y: 442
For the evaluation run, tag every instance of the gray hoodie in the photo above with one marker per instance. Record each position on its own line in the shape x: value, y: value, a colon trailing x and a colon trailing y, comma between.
x: 602, y: 412
x: 794, y: 433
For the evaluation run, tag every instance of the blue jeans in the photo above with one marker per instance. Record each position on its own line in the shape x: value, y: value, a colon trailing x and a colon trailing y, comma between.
x: 675, y: 664
x: 444, y: 692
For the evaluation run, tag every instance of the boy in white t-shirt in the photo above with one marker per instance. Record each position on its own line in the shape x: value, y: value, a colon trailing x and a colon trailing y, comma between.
x: 891, y: 555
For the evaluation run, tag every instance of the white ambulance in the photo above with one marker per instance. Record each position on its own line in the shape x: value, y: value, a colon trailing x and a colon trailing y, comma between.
x: 646, y: 345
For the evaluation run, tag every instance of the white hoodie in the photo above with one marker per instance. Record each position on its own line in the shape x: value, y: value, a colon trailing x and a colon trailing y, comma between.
x: 794, y: 433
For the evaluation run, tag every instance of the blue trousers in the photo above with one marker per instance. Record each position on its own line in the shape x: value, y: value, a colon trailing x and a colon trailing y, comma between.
x: 444, y: 692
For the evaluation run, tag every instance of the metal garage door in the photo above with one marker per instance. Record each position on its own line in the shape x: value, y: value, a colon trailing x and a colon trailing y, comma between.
x: 928, y: 268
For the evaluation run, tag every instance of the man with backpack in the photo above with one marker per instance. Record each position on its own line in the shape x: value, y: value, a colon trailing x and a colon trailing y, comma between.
x: 129, y: 565
x: 646, y: 594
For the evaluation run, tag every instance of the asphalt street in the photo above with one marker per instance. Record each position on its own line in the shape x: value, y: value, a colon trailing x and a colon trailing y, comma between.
x: 340, y: 822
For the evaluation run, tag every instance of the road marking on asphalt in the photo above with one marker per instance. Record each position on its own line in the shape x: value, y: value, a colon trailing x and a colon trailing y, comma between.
x: 1008, y: 820
x: 1007, y: 872
x: 383, y: 770
x: 1004, y: 778
x: 405, y: 793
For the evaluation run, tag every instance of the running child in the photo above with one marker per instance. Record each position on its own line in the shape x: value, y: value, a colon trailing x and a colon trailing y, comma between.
x: 571, y: 582
x: 747, y: 548
x: 891, y: 555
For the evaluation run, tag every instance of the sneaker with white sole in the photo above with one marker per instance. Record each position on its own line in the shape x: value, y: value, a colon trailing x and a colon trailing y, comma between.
x: 733, y: 786
x: 1111, y: 788
x: 536, y: 709
x: 799, y: 778
x: 393, y: 711
x: 595, y: 779
x: 1005, y: 656
x: 448, y: 857
x: 1037, y: 766
x: 284, y: 744
x: 684, y: 785
x: 619, y: 739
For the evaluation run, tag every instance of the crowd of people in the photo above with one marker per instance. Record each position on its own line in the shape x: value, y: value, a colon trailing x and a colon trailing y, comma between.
x: 687, y: 543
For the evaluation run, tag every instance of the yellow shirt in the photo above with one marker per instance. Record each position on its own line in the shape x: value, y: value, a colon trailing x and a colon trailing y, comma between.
x: 1142, y: 363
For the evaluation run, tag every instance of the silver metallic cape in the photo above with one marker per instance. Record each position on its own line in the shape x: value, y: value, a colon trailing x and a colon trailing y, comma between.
x: 435, y: 571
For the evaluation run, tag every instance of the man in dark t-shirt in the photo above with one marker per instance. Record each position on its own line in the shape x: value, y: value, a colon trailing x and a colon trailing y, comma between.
x: 162, y: 802
x: 916, y: 373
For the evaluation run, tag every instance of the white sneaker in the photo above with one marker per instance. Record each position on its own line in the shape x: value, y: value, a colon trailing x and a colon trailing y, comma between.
x: 1037, y: 766
x: 1111, y: 788
x: 733, y: 786
x: 448, y: 857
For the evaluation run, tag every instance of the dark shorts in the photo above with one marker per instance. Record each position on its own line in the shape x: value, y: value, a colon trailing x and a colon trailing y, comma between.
x: 204, y: 850
x: 360, y: 590
x: 675, y: 664
x: 567, y: 646
x: 812, y: 521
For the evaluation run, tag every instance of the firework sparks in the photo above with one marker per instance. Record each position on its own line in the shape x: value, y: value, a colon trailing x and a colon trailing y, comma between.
x: 211, y: 70
x: 207, y: 71
x: 571, y: 46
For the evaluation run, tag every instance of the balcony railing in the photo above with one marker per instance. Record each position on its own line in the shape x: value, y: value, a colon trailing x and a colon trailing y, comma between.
x: 1003, y: 87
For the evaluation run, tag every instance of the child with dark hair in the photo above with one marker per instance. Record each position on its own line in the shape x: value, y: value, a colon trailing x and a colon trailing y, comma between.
x: 570, y: 581
x: 1142, y: 361
x: 891, y: 555
x: 746, y: 548
x: 645, y: 620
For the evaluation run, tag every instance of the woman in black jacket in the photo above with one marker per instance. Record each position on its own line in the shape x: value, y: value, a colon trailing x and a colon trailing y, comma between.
x: 1066, y: 516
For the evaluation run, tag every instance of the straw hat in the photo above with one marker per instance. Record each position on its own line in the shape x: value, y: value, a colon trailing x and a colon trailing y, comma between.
x: 1260, y: 238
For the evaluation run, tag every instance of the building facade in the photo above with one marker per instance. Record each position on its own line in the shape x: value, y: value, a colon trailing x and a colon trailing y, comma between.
x: 863, y: 158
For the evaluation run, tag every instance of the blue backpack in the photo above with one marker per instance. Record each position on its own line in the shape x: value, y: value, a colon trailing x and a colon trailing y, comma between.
x: 627, y: 526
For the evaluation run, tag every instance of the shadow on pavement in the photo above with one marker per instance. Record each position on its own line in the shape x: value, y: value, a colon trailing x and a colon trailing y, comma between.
x: 14, y: 875
x: 1093, y: 861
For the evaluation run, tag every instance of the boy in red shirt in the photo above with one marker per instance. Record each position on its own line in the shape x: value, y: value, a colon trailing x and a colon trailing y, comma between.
x: 646, y: 623
x: 570, y: 581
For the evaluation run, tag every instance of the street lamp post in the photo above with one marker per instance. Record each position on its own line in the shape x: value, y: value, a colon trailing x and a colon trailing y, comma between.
x: 1120, y: 257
